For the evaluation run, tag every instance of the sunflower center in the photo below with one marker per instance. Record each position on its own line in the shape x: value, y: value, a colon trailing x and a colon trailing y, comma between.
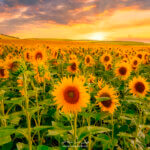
x: 135, y: 62
x: 109, y: 66
x: 140, y: 87
x: 28, y: 56
x: 73, y: 66
x: 71, y: 95
x: 122, y: 70
x: 140, y: 56
x: 108, y: 102
x: 38, y: 56
x: 106, y: 58
x: 55, y: 54
x: 2, y: 72
x: 88, y: 60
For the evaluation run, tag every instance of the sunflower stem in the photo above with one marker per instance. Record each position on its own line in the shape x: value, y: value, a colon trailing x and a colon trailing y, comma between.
x: 38, y: 115
x: 27, y: 113
x: 89, y: 123
x: 75, y: 131
x: 3, y: 113
x: 112, y: 120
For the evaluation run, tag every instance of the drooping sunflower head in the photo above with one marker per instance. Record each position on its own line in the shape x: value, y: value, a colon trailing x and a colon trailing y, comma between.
x: 71, y: 95
x: 139, y: 86
x: 123, y: 70
x: 111, y: 103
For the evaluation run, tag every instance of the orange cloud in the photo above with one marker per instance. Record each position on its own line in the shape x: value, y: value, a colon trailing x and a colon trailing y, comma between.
x: 83, y: 9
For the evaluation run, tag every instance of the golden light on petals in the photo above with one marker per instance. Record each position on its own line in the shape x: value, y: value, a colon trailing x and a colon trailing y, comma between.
x: 139, y: 86
x: 123, y: 70
x: 71, y: 95
x: 111, y: 104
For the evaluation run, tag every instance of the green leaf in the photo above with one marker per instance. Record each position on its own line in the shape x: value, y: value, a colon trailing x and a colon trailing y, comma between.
x: 15, y: 100
x: 56, y: 132
x: 124, y: 134
x: 43, y: 147
x: 4, y: 140
x: 83, y: 132
x: 100, y: 99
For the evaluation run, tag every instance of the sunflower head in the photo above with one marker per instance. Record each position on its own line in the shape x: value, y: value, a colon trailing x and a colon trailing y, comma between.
x: 11, y: 64
x: 106, y: 58
x: 111, y: 103
x: 123, y: 70
x: 73, y: 67
x: 71, y: 95
x: 139, y: 86
x: 108, y: 66
x: 89, y: 61
x: 28, y: 55
x: 39, y: 56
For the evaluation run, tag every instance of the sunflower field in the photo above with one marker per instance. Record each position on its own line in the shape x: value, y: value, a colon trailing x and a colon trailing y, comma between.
x: 73, y: 95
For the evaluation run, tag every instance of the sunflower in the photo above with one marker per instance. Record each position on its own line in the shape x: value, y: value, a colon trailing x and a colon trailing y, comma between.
x: 100, y: 83
x: 135, y: 63
x: 54, y: 54
x: 106, y: 58
x: 11, y: 64
x: 123, y: 70
x: 112, y: 102
x: 91, y: 78
x: 73, y: 68
x: 82, y: 78
x: 139, y: 86
x: 70, y: 95
x: 72, y: 57
x: 27, y: 55
x: 39, y: 56
x: 140, y: 55
x: 108, y: 66
x: 89, y: 61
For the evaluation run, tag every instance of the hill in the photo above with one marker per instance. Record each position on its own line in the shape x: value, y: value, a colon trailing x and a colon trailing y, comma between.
x: 3, y: 36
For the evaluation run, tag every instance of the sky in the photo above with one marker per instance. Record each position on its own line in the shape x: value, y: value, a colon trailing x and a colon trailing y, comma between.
x: 127, y: 20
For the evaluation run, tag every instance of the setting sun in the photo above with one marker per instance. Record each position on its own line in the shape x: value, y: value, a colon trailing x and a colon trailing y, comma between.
x: 97, y: 36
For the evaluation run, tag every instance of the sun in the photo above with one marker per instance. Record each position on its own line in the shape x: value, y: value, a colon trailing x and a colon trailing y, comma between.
x: 97, y: 36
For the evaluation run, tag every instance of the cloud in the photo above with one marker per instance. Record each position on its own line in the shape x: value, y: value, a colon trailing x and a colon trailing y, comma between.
x: 16, y: 14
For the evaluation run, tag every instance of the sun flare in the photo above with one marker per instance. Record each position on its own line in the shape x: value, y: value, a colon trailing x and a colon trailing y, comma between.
x: 97, y: 36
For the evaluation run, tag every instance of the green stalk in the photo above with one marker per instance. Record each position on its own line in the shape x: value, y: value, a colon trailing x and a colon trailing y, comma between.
x: 38, y: 115
x: 89, y: 123
x: 3, y: 113
x: 75, y: 131
x: 44, y: 85
x: 112, y: 120
x: 27, y: 113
